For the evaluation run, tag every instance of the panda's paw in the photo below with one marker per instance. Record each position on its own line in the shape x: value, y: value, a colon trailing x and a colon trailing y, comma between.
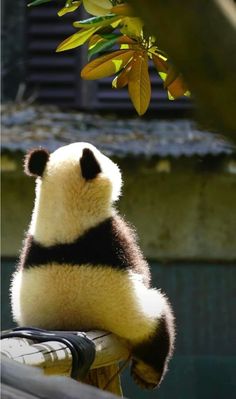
x: 144, y: 375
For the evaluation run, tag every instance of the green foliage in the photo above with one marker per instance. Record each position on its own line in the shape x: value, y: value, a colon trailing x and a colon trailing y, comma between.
x: 123, y: 47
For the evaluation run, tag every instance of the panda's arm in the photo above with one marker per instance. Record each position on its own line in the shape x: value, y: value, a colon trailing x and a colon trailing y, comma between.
x: 126, y: 243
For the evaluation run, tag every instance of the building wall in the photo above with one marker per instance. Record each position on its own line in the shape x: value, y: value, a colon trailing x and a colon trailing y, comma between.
x: 183, y: 209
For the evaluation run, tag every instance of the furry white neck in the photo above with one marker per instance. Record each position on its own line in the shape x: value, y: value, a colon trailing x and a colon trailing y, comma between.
x: 64, y: 220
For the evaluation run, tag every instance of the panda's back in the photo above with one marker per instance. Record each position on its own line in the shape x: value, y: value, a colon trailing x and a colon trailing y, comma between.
x: 112, y: 243
x: 63, y: 296
x: 68, y: 285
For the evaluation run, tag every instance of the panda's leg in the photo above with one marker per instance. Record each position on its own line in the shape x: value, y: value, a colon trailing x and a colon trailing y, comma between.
x: 148, y: 326
x: 150, y: 356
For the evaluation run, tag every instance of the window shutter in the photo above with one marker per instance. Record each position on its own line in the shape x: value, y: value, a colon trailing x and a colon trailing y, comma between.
x: 51, y: 76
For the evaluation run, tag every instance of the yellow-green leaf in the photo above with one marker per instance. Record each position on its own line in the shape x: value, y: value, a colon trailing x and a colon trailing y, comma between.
x: 163, y: 75
x: 97, y: 7
x: 139, y: 83
x: 97, y: 39
x: 77, y: 39
x: 106, y: 65
x: 122, y: 79
x: 69, y: 7
x: 132, y: 27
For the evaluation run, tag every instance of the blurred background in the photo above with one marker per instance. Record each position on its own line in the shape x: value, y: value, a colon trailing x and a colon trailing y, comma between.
x: 179, y: 189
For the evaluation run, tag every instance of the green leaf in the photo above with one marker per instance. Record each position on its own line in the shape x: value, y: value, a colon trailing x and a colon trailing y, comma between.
x: 101, y: 46
x: 97, y: 7
x: 96, y: 21
x: 162, y: 75
x: 38, y: 2
x: 70, y: 6
x: 77, y: 39
x: 109, y: 36
x: 132, y: 27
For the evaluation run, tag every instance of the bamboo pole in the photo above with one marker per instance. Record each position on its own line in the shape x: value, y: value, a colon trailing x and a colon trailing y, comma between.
x: 56, y: 359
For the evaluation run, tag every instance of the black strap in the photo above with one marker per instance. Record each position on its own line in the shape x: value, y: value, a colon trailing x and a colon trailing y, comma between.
x: 82, y: 348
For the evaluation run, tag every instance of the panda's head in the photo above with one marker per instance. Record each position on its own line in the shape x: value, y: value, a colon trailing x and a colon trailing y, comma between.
x: 76, y: 186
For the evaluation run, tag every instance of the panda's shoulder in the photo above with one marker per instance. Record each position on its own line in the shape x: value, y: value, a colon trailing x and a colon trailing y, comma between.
x: 123, y: 231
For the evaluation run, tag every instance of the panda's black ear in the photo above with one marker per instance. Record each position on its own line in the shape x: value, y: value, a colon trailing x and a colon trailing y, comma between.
x: 89, y: 165
x: 35, y: 162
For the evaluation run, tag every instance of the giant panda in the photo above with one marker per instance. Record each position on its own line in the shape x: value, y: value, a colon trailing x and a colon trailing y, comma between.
x: 81, y: 267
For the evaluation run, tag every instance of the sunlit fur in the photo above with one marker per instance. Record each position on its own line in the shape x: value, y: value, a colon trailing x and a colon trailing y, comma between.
x: 86, y: 297
x: 66, y: 205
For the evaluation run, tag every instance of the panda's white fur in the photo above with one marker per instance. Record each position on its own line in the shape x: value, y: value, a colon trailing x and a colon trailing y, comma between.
x: 84, y: 297
x: 63, y: 195
x: 88, y: 298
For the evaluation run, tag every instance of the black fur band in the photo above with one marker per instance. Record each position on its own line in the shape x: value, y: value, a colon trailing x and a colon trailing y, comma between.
x: 105, y: 244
